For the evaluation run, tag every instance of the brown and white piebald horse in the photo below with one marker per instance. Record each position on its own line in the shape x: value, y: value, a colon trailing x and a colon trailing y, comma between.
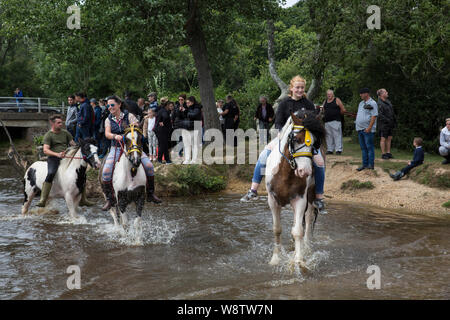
x: 290, y: 180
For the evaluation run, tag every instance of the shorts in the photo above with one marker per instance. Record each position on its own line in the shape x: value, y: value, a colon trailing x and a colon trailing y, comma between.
x: 385, y: 131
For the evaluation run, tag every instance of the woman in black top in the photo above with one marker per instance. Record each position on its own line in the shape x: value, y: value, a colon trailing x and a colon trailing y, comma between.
x: 189, y: 116
x: 163, y: 130
x: 295, y: 102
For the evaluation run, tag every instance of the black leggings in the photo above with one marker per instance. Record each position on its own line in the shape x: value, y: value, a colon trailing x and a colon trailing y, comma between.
x: 52, y: 166
x: 163, y: 146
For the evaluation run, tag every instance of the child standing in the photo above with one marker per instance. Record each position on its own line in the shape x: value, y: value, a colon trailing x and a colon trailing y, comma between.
x: 149, y: 133
x: 419, y: 156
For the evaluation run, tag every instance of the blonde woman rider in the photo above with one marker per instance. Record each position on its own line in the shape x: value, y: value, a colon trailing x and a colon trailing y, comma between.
x: 295, y: 102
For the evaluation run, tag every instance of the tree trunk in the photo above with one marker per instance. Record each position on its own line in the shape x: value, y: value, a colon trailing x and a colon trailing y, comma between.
x: 197, y: 43
x: 272, y: 67
x: 318, y: 70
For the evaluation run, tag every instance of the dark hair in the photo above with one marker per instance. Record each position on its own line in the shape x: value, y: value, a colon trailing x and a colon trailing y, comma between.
x: 80, y: 94
x: 118, y: 100
x: 71, y: 96
x: 54, y: 117
x: 418, y: 141
x: 192, y: 99
x: 182, y: 96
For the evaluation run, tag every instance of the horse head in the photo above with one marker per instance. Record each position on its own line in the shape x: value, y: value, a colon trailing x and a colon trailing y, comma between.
x: 133, y: 145
x: 89, y: 152
x: 299, y: 146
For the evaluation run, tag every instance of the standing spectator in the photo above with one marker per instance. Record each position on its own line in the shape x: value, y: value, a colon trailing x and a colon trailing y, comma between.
x: 71, y: 118
x: 132, y: 107
x: 97, y: 120
x: 163, y: 129
x: 219, y: 106
x: 366, y: 126
x: 141, y: 105
x: 417, y: 160
x: 230, y: 113
x: 177, y: 118
x: 84, y: 117
x: 153, y: 101
x: 264, y: 113
x: 19, y: 95
x: 444, y: 140
x: 333, y: 109
x: 386, y: 123
x: 191, y: 137
x: 149, y: 132
x: 103, y: 147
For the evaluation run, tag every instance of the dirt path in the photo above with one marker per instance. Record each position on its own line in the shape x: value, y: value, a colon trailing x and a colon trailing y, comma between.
x: 404, y: 194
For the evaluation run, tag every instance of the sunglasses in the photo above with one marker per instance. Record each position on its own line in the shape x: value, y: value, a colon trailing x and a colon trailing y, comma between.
x: 111, y: 105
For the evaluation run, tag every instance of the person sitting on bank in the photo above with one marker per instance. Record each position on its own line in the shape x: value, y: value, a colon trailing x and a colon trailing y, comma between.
x: 417, y: 160
x: 55, y: 143
x: 444, y: 149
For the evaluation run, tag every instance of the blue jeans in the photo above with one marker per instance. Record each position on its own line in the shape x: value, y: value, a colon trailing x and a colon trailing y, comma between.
x: 367, y: 148
x: 260, y: 168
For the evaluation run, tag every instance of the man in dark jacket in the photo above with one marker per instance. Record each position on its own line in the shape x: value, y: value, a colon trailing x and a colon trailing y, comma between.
x: 418, y: 158
x: 84, y: 117
x: 386, y: 123
x: 132, y: 106
x: 264, y: 113
x: 163, y: 130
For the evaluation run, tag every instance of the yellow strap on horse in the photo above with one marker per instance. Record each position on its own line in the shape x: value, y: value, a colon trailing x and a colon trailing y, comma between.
x: 297, y: 127
x: 308, y: 138
x: 133, y: 141
x: 302, y: 154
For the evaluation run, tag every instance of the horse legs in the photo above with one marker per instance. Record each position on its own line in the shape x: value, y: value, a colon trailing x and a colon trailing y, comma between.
x: 276, y: 210
x: 27, y: 202
x: 113, y: 212
x: 138, y: 221
x: 299, y: 206
x: 309, y: 222
x: 72, y: 204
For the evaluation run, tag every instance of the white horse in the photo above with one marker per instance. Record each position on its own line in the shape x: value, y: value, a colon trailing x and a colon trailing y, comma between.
x: 70, y: 179
x: 290, y: 179
x: 129, y: 178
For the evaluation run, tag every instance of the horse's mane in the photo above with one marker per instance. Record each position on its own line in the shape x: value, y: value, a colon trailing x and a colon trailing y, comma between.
x: 313, y: 124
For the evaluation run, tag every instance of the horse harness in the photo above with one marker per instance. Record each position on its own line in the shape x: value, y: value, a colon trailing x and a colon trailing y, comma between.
x: 296, y: 152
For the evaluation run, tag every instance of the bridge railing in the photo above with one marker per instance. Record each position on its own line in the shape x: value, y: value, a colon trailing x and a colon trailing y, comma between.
x: 32, y: 104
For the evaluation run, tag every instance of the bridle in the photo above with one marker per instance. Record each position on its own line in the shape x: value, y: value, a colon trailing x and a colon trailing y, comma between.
x: 134, y: 145
x: 296, y: 152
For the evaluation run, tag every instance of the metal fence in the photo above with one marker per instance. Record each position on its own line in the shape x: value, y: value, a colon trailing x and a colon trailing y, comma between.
x: 31, y: 104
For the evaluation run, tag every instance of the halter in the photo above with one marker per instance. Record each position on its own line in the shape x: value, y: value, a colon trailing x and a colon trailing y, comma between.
x: 134, y: 145
x: 296, y: 153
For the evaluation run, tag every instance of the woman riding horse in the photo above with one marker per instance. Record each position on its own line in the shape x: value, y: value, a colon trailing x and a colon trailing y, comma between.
x: 297, y: 101
x: 115, y: 126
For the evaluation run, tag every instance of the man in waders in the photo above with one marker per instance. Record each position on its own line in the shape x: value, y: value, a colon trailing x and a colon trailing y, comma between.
x: 55, y: 143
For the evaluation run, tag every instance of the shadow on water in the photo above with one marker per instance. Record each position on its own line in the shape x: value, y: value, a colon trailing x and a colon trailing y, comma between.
x: 215, y: 247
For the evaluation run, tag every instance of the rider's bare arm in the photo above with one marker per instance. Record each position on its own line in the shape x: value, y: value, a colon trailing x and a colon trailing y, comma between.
x: 49, y: 152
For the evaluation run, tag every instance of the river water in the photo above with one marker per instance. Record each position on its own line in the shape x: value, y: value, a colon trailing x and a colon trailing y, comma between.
x: 215, y: 247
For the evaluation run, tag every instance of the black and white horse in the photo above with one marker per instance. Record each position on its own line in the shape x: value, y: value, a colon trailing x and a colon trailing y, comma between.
x: 129, y: 178
x: 70, y: 179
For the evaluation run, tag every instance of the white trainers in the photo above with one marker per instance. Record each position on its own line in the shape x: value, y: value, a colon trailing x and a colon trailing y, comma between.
x: 249, y: 196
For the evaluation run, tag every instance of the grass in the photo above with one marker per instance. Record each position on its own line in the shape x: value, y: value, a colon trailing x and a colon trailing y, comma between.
x: 446, y: 204
x: 356, y: 185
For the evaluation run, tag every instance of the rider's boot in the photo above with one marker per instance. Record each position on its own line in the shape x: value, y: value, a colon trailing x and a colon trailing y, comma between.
x: 107, y: 189
x: 84, y: 202
x: 46, y: 187
x: 150, y: 188
x: 320, y: 205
